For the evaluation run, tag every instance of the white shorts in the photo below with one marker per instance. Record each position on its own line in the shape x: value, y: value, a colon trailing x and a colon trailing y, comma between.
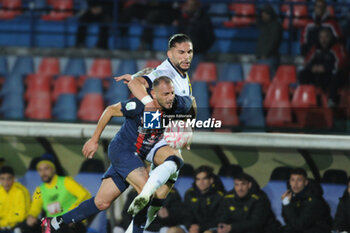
x: 154, y: 150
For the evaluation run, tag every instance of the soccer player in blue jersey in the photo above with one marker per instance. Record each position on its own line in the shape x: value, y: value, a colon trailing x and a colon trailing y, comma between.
x: 127, y: 150
x: 180, y: 54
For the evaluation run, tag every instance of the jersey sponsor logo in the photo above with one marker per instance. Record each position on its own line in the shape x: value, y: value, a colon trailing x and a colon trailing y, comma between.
x: 151, y: 120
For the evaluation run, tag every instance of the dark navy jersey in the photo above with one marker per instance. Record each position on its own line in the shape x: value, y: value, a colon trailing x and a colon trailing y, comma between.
x: 133, y: 136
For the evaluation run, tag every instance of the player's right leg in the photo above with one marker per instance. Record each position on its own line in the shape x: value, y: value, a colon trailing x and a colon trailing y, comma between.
x: 168, y: 162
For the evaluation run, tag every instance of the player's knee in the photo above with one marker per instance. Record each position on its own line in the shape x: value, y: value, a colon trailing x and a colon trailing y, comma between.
x: 102, y: 204
x: 179, y: 161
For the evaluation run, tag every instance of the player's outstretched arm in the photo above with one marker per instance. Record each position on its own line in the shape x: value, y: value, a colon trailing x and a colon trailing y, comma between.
x: 91, y: 146
x: 127, y: 77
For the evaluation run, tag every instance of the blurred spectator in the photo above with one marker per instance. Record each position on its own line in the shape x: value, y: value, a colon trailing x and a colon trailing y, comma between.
x: 324, y: 65
x: 56, y: 195
x: 202, y: 202
x: 151, y: 13
x: 171, y: 213
x: 97, y: 12
x: 303, y: 208
x: 270, y: 36
x: 342, y: 216
x: 14, y: 201
x: 247, y: 209
x: 196, y: 23
x: 321, y: 19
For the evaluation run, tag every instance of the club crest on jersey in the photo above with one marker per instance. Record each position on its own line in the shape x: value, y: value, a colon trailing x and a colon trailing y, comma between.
x: 151, y: 120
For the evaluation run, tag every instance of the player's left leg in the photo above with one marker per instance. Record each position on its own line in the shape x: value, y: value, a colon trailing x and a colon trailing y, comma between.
x: 168, y: 162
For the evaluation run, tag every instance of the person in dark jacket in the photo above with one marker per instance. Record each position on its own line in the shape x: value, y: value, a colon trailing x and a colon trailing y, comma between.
x: 246, y: 209
x: 325, y: 65
x: 171, y: 213
x: 320, y: 19
x: 202, y: 202
x: 303, y: 208
x: 270, y: 36
x: 342, y: 216
x: 96, y: 12
x: 195, y: 22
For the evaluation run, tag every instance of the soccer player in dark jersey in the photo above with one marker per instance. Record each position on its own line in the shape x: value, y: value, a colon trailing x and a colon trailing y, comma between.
x: 127, y: 150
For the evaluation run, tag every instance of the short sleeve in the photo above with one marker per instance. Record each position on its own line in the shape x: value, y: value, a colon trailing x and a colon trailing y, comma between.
x: 156, y: 74
x: 183, y: 104
x: 132, y: 107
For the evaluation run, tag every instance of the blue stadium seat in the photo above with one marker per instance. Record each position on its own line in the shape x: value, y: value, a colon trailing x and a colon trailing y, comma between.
x: 332, y: 193
x: 65, y: 108
x: 91, y: 85
x: 218, y: 13
x: 183, y: 184
x: 3, y: 66
x: 31, y: 180
x: 92, y: 181
x: 231, y: 72
x: 13, y: 84
x: 228, y: 183
x: 274, y: 190
x: 160, y: 37
x: 75, y: 67
x: 23, y: 66
x: 201, y: 93
x: 251, y: 96
x: 135, y: 31
x: 12, y: 106
x: 128, y: 66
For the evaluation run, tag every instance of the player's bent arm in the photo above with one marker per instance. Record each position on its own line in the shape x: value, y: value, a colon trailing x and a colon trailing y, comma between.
x: 109, y: 112
x: 138, y: 88
x: 194, y: 106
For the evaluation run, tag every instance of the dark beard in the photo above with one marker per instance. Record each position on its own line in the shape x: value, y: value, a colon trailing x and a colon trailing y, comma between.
x: 181, y: 69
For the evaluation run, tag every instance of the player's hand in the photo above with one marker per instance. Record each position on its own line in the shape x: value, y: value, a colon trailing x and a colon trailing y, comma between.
x: 125, y: 77
x: 90, y: 147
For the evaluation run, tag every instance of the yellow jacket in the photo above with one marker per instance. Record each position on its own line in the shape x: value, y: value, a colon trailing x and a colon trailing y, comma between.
x: 70, y: 185
x: 14, y: 205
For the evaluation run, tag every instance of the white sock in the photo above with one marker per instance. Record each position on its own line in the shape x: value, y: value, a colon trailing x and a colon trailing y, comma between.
x: 158, y: 177
x: 56, y: 224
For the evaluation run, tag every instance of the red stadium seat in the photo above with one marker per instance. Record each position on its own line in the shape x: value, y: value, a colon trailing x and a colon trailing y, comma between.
x: 37, y: 83
x: 39, y: 106
x: 259, y: 73
x: 279, y: 114
x: 285, y: 74
x: 62, y: 9
x: 227, y: 116
x: 64, y: 85
x: 277, y: 92
x: 244, y: 15
x: 286, y: 7
x: 49, y: 66
x: 91, y: 107
x: 304, y: 97
x: 152, y: 63
x: 304, y: 100
x: 300, y: 17
x: 206, y: 72
x: 101, y: 68
x: 10, y: 9
x: 224, y: 95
